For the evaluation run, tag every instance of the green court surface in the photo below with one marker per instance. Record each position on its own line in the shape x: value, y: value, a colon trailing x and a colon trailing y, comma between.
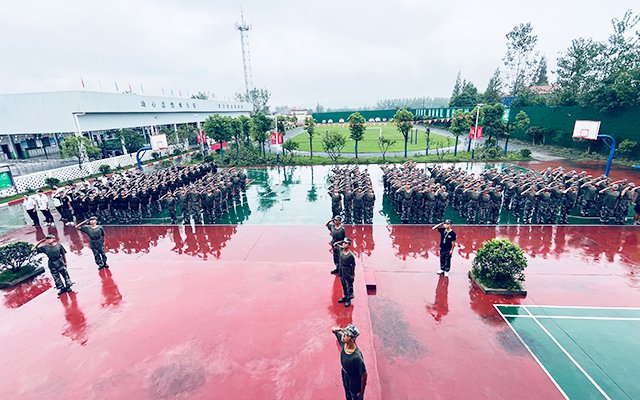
x: 589, y: 353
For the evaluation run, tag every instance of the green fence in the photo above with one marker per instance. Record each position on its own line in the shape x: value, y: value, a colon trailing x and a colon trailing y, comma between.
x: 559, y: 121
x: 336, y: 116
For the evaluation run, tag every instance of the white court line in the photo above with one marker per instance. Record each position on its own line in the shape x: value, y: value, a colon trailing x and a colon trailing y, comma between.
x: 531, y: 352
x: 579, y: 307
x: 572, y: 317
x: 606, y: 396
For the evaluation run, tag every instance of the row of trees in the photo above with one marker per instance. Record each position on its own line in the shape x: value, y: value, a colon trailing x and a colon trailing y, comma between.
x: 601, y: 74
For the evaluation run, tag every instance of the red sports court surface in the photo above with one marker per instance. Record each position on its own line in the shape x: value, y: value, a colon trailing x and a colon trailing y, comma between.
x: 244, y: 312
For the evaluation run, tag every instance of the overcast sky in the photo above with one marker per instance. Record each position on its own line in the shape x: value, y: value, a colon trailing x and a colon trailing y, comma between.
x: 337, y: 53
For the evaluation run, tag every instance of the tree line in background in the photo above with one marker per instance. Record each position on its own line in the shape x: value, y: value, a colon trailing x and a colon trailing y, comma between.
x: 604, y: 75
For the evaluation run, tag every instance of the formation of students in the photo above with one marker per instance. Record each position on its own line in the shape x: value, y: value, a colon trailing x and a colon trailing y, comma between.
x: 200, y: 191
x: 421, y: 196
x: 352, y: 195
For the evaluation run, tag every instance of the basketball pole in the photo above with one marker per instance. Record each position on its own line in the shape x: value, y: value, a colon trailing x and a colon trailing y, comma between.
x: 611, y: 142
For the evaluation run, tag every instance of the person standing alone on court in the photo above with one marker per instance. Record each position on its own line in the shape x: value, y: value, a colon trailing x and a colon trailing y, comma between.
x: 96, y: 237
x: 447, y: 239
x: 354, y: 372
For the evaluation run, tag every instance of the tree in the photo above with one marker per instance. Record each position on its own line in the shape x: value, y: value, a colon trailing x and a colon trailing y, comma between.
x: 333, y: 142
x: 460, y: 124
x: 78, y: 146
x: 188, y: 132
x: 540, y: 76
x: 457, y: 87
x: 245, y: 125
x: 521, y: 123
x: 261, y: 125
x: 236, y: 130
x: 356, y: 128
x: 290, y: 145
x: 310, y: 123
x: 132, y: 140
x: 500, y: 263
x: 492, y: 120
x: 520, y: 59
x: 493, y: 94
x: 200, y: 95
x: 578, y: 69
x: 468, y: 96
x: 384, y: 144
x: 536, y: 133
x: 259, y: 98
x: 403, y: 118
x: 218, y: 127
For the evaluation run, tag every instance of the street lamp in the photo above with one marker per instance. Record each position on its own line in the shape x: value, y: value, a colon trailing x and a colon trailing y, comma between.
x: 475, y: 134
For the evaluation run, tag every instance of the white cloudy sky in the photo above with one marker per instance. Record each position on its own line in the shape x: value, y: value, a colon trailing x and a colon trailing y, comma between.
x: 338, y: 53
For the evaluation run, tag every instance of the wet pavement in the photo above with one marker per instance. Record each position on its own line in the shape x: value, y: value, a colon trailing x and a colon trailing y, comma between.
x: 244, y: 311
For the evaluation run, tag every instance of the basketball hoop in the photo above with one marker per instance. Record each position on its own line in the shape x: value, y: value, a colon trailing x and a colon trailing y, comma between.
x: 586, y: 130
x: 159, y: 142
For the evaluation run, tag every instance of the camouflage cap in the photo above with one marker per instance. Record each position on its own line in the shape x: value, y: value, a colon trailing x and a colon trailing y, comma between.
x: 351, y: 330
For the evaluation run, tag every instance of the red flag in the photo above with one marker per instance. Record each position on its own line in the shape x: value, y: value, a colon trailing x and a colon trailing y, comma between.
x: 273, y: 138
x: 280, y: 138
x: 479, y: 133
x: 472, y: 132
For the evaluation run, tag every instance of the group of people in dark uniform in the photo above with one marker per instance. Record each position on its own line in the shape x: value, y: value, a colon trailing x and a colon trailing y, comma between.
x: 352, y: 195
x: 421, y: 196
x: 200, y: 191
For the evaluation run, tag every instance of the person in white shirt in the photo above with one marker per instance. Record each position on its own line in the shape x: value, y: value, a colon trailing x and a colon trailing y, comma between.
x: 43, y: 206
x: 55, y: 197
x: 29, y: 204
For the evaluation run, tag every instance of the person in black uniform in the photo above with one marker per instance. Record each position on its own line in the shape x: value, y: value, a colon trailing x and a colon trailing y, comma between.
x: 55, y: 252
x: 447, y: 240
x: 336, y: 229
x: 184, y: 205
x: 354, y: 372
x: 96, y: 236
x: 347, y: 268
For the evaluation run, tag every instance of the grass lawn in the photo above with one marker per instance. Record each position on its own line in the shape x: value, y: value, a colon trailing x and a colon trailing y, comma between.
x: 369, y: 143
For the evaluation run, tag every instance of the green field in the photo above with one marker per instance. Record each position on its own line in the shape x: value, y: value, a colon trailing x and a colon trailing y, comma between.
x: 369, y: 143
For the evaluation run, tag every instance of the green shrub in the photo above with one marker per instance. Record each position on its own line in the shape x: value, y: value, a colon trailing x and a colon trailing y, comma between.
x: 177, y: 152
x: 629, y: 149
x: 525, y: 152
x: 209, y: 158
x: 51, y: 181
x: 104, y: 169
x: 17, y: 255
x: 500, y: 264
x: 197, y: 157
x: 166, y: 163
x: 155, y: 155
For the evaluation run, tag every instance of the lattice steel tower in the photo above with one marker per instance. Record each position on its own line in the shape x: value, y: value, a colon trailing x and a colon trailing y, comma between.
x: 244, y: 29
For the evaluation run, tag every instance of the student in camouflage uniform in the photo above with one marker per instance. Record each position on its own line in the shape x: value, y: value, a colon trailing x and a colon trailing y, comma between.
x: 358, y: 206
x: 170, y: 204
x: 369, y: 202
x: 610, y: 196
x: 442, y: 199
x: 96, y: 236
x: 568, y: 202
x: 337, y: 232
x: 56, y: 253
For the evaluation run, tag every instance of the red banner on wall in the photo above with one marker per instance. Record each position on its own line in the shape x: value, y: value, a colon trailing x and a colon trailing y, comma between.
x: 274, y: 140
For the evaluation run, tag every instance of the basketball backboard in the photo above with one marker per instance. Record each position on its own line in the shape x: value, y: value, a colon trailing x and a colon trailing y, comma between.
x: 159, y: 142
x: 586, y: 130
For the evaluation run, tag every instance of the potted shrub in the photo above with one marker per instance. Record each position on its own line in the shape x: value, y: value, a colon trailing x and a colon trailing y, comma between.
x: 18, y: 264
x: 499, y: 268
x: 51, y: 181
x: 104, y: 169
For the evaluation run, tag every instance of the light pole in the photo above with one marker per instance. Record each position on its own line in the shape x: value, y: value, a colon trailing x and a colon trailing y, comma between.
x: 475, y: 132
x: 202, y: 141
